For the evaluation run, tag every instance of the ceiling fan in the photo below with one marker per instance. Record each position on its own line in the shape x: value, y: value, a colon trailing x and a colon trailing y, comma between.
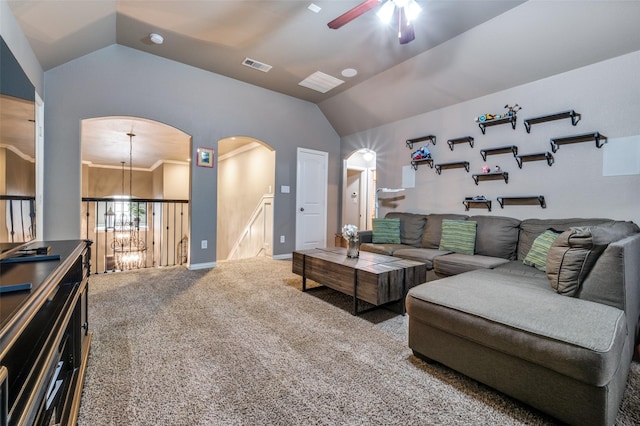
x: 407, y: 11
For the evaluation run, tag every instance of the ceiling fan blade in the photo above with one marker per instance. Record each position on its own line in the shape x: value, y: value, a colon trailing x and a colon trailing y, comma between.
x: 406, y: 32
x: 352, y: 14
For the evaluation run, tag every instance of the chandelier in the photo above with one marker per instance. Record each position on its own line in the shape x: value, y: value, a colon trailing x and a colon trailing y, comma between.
x: 129, y: 250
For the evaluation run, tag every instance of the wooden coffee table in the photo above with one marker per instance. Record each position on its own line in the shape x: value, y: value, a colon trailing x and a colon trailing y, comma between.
x: 374, y: 278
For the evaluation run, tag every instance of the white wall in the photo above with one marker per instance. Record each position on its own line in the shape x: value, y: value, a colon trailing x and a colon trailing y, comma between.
x: 244, y: 177
x: 176, y: 181
x: 606, y: 94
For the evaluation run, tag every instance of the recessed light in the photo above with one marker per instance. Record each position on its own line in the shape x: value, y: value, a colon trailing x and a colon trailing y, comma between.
x: 314, y: 8
x: 349, y: 72
x: 156, y: 38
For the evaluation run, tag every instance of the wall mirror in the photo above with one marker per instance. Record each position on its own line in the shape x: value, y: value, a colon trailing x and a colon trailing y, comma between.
x: 17, y: 153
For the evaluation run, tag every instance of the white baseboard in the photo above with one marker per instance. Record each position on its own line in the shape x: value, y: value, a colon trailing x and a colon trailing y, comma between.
x: 282, y: 256
x: 196, y: 266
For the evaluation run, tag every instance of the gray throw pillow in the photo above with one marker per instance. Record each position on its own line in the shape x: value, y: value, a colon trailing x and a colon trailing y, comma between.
x: 576, y: 250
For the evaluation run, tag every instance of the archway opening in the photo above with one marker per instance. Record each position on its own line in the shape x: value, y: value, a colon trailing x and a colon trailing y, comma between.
x: 135, y: 192
x: 359, y: 188
x: 246, y: 181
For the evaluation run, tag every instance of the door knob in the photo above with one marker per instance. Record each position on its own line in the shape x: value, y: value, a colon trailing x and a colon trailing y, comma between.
x: 301, y: 209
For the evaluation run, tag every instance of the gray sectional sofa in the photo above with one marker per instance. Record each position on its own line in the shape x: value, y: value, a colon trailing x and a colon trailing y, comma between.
x: 560, y: 340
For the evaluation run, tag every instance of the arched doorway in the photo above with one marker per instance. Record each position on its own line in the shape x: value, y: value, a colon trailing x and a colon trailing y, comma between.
x: 359, y: 188
x: 135, y: 192
x: 246, y: 180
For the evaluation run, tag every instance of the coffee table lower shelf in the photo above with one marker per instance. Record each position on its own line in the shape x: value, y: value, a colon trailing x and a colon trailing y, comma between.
x: 374, y: 278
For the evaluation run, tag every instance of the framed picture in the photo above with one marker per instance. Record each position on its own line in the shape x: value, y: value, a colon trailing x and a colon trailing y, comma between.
x: 205, y: 157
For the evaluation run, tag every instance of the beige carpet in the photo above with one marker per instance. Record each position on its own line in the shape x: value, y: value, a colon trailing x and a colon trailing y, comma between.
x: 242, y: 345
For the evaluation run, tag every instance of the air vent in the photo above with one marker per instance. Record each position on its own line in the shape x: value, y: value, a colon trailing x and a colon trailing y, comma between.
x: 321, y: 82
x: 256, y: 65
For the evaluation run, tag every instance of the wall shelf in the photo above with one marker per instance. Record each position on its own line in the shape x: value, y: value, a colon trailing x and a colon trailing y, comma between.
x: 454, y: 165
x: 523, y: 200
x: 416, y: 163
x: 491, y: 176
x: 574, y: 116
x: 472, y: 204
x: 538, y: 156
x: 430, y: 138
x: 500, y: 150
x: 510, y: 119
x: 465, y: 139
x: 599, y: 138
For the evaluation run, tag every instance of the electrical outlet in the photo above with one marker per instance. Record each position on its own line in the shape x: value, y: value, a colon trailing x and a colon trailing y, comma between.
x: 203, y: 244
x: 281, y: 238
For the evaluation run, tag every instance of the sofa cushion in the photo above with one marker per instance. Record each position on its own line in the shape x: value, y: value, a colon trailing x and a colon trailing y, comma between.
x: 531, y: 228
x: 457, y: 263
x: 496, y: 236
x: 386, y: 231
x: 386, y: 249
x: 411, y: 227
x: 576, y: 250
x: 537, y: 255
x: 517, y: 268
x: 433, y: 229
x: 420, y: 255
x: 498, y: 311
x: 458, y: 236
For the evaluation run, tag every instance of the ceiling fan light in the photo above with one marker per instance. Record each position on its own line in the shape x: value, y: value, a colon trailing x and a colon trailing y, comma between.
x: 412, y: 9
x: 386, y: 11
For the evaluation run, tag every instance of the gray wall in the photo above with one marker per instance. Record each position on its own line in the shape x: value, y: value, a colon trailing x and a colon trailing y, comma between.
x: 606, y: 94
x: 121, y: 81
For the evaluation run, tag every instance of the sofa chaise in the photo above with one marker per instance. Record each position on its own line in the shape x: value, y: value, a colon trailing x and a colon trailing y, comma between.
x: 546, y: 311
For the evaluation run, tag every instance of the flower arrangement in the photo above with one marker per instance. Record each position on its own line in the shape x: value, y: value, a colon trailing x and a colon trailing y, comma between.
x: 349, y: 232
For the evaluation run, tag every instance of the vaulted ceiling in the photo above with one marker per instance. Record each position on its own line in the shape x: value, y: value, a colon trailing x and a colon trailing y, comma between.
x: 217, y: 35
x: 463, y: 49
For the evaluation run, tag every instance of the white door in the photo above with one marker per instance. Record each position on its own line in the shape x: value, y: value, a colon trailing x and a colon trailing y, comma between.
x: 311, y: 199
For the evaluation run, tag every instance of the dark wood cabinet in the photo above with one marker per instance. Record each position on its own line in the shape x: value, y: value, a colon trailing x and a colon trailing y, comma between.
x: 44, y: 335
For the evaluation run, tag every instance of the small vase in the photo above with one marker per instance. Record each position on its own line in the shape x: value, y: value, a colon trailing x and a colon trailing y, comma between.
x: 353, y: 248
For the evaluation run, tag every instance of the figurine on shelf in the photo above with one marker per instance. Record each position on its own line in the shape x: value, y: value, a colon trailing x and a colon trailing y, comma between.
x: 497, y: 169
x: 484, y: 117
x: 422, y: 153
x: 511, y: 110
x: 485, y: 169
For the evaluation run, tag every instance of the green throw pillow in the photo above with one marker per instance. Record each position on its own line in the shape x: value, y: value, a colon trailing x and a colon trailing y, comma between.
x: 458, y: 236
x: 386, y: 231
x: 537, y: 256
